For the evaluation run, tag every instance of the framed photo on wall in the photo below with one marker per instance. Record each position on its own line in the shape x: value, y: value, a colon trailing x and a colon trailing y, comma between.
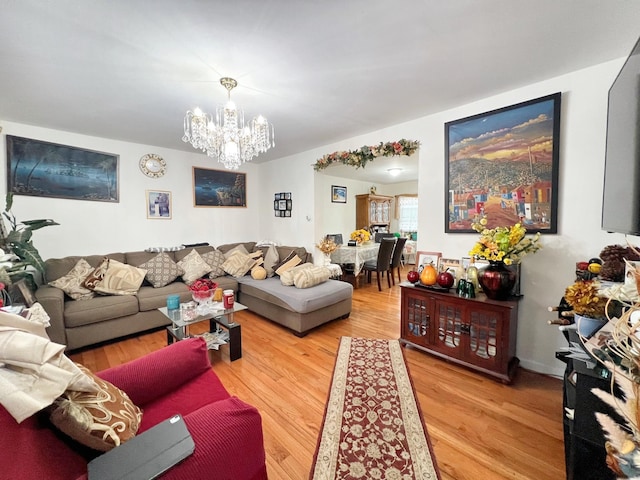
x: 504, y: 164
x: 45, y: 169
x: 338, y: 194
x: 219, y: 188
x: 158, y: 204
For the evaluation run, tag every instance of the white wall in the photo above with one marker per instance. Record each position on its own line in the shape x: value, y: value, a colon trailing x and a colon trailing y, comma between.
x: 96, y: 227
x: 88, y: 227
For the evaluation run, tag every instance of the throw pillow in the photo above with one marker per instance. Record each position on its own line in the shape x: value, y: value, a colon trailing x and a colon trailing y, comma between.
x: 214, y: 259
x: 238, y: 264
x: 258, y: 273
x: 120, y: 279
x: 238, y: 248
x: 101, y: 420
x: 71, y: 283
x: 286, y: 278
x: 97, y: 275
x: 271, y: 258
x: 161, y: 270
x: 310, y: 277
x: 194, y: 267
x: 289, y: 262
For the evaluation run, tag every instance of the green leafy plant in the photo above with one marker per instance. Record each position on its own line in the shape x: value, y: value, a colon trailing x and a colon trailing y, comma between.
x: 17, y: 240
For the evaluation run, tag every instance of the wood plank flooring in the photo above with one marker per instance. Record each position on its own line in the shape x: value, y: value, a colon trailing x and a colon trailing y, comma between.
x: 479, y: 428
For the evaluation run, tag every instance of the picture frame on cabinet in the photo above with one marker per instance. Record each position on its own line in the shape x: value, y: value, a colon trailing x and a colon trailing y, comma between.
x: 338, y: 194
x: 424, y: 258
x: 504, y: 164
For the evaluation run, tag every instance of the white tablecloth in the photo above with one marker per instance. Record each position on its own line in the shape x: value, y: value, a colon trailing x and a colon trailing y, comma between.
x: 355, y: 255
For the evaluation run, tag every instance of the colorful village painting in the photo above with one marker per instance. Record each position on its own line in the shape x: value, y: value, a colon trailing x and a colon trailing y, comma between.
x: 504, y: 164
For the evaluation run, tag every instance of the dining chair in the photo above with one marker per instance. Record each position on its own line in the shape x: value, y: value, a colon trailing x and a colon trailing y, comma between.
x: 382, y: 263
x: 396, y: 259
x: 380, y: 235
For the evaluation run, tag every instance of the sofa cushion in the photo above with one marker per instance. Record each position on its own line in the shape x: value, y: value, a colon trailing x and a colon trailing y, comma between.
x: 284, y: 251
x: 161, y: 270
x: 194, y: 267
x: 117, y: 278
x: 100, y: 420
x: 287, y: 262
x: 72, y: 282
x: 57, y: 267
x: 202, y: 249
x: 286, y: 278
x: 294, y: 299
x: 99, y: 309
x: 215, y: 259
x: 310, y: 277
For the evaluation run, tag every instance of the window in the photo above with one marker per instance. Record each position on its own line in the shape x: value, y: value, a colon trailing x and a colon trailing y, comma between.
x: 408, y: 214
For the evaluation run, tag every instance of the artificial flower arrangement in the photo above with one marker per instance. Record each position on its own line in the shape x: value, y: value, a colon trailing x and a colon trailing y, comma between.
x: 327, y: 246
x: 503, y: 244
x: 361, y: 235
x: 360, y: 157
x: 584, y: 299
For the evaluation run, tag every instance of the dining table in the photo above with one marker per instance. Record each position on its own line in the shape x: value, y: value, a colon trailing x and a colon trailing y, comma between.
x: 357, y: 255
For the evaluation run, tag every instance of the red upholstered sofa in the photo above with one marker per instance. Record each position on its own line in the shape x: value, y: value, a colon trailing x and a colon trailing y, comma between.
x: 175, y: 379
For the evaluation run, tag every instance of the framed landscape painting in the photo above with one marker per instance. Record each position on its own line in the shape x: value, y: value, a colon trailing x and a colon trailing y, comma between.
x: 219, y: 188
x: 44, y: 169
x: 504, y: 164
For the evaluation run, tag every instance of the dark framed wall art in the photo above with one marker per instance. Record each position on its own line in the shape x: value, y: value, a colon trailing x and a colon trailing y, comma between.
x: 219, y: 188
x: 338, y: 194
x: 282, y: 204
x: 45, y: 169
x: 504, y: 164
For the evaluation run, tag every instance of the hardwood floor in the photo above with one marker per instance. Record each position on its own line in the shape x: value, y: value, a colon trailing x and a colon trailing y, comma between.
x: 479, y: 428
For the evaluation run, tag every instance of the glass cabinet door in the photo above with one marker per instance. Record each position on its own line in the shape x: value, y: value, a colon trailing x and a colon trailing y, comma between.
x: 372, y: 211
x: 385, y: 212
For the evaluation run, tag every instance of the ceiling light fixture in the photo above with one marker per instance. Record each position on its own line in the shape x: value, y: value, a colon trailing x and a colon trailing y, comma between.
x: 228, y: 138
x: 394, y: 172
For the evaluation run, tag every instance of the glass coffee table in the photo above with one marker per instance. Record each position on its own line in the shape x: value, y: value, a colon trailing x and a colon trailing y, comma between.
x: 179, y: 328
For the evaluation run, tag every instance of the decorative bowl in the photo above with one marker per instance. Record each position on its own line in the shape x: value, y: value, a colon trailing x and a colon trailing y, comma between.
x: 203, y: 296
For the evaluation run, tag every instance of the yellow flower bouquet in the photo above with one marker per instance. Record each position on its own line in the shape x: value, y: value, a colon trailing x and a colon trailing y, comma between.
x: 503, y: 244
x: 361, y: 235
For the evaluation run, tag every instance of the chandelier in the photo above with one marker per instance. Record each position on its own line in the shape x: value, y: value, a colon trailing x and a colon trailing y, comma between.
x: 228, y: 138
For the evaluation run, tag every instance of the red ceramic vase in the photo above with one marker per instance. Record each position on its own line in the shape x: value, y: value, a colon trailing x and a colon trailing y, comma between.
x: 497, y: 280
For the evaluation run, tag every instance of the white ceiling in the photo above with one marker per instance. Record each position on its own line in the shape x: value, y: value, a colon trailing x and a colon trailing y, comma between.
x: 321, y: 71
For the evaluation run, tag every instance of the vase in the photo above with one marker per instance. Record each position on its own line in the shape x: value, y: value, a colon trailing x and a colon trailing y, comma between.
x: 497, y: 280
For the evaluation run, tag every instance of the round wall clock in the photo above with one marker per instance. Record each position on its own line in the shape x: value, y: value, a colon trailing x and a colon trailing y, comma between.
x: 153, y: 165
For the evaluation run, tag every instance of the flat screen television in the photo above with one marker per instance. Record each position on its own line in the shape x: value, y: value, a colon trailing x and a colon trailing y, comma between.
x: 621, y: 194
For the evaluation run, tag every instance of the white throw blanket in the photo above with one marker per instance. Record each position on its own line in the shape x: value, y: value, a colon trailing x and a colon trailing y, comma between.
x: 33, y: 370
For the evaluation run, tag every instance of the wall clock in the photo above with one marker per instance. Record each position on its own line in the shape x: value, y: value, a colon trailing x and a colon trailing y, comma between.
x: 153, y: 165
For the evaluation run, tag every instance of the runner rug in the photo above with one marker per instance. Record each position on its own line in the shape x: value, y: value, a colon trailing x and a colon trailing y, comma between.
x: 373, y: 427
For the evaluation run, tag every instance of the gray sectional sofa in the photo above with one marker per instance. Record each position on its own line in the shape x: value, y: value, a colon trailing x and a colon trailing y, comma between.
x: 80, y: 323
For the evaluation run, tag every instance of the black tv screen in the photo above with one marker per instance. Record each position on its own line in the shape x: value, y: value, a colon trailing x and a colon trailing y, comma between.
x: 621, y: 195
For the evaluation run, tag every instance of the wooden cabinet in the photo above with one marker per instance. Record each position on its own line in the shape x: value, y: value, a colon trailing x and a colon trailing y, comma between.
x: 373, y: 212
x: 479, y: 333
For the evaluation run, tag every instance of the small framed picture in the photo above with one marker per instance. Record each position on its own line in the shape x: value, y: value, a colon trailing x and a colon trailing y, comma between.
x: 289, y: 204
x: 282, y: 204
x: 276, y: 213
x: 277, y: 196
x: 452, y: 264
x: 287, y: 196
x: 338, y: 194
x: 287, y: 213
x: 158, y: 204
x: 425, y: 258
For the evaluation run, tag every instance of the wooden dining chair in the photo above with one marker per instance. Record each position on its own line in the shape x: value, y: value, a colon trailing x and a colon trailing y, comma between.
x: 396, y: 259
x: 382, y: 264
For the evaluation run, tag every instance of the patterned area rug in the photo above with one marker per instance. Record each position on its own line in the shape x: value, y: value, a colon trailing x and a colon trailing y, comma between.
x: 373, y: 427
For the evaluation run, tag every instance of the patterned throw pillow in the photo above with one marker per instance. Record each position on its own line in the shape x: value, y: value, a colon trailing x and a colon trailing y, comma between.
x: 271, y: 258
x: 72, y: 282
x: 97, y: 275
x: 289, y: 262
x: 120, y: 278
x: 238, y: 248
x: 100, y: 420
x: 310, y: 277
x: 238, y: 264
x: 214, y: 259
x: 286, y: 278
x: 161, y: 270
x: 194, y: 267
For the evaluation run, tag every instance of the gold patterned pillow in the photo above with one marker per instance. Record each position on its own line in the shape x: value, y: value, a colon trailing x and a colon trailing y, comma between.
x: 72, y: 282
x: 101, y: 420
x: 310, y: 277
x: 287, y: 276
x: 238, y: 264
x: 289, y: 262
x: 119, y: 278
x: 194, y: 267
x: 161, y: 270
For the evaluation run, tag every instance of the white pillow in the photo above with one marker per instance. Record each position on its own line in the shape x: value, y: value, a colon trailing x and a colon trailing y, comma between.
x: 287, y: 276
x: 194, y: 267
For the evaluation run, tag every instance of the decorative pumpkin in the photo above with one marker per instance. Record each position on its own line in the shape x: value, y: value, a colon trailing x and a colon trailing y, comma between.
x: 429, y: 275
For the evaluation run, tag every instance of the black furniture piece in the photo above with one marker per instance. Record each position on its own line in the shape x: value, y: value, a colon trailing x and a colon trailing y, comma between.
x: 378, y: 236
x: 396, y: 259
x: 585, y: 455
x: 382, y: 263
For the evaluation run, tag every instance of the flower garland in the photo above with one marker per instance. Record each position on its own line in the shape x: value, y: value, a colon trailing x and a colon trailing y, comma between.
x: 359, y: 158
